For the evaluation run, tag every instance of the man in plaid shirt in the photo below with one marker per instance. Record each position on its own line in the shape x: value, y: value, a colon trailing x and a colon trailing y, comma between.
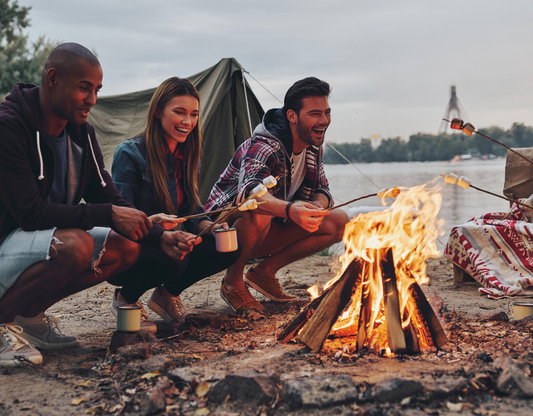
x: 294, y: 223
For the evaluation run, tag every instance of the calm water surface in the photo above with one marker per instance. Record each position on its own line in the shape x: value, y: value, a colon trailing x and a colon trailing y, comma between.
x: 458, y: 204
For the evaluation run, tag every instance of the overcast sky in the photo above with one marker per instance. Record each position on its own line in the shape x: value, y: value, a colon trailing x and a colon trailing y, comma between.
x: 390, y: 63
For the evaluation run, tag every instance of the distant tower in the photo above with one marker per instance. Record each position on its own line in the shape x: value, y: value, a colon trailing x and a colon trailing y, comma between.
x: 454, y: 110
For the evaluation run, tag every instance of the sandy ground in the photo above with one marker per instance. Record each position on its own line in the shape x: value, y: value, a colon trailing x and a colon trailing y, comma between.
x: 209, y: 353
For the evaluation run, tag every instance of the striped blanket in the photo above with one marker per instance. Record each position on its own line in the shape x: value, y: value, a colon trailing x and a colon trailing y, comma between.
x: 496, y: 249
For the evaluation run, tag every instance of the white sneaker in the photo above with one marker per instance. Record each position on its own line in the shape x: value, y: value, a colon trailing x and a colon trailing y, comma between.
x: 167, y: 306
x: 14, y: 349
x: 43, y: 332
x: 146, y: 323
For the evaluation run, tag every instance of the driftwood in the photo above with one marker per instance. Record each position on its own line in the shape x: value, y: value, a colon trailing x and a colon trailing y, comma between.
x: 315, y: 332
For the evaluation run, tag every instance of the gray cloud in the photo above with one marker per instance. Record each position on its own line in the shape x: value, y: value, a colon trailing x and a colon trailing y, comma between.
x: 390, y: 63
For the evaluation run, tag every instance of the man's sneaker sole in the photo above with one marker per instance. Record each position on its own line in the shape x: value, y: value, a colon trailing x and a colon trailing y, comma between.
x: 47, y: 345
x: 265, y: 293
x: 160, y: 311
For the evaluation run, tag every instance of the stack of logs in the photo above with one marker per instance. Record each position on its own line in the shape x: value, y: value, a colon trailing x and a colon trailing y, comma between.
x: 313, y: 324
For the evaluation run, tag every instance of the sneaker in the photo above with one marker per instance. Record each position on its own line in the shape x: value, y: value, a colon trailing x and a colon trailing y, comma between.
x: 43, y: 332
x: 167, y: 306
x: 14, y: 350
x: 268, y: 286
x: 146, y: 323
x: 240, y: 300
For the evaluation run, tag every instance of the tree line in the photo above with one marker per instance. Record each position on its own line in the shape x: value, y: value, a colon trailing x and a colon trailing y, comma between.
x: 422, y: 147
x: 20, y: 60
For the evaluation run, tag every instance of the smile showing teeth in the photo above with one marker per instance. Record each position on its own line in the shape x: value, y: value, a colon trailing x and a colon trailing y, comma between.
x: 182, y: 130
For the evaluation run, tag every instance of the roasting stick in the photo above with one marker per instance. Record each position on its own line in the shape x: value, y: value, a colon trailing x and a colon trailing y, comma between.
x: 204, y: 214
x: 258, y: 191
x: 384, y: 193
x: 464, y: 182
x: 458, y: 124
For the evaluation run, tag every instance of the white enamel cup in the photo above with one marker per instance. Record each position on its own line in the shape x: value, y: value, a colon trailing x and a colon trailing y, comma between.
x: 522, y: 310
x: 226, y: 240
x: 129, y: 318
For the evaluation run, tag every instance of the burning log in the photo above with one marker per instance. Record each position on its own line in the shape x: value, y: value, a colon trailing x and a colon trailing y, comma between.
x: 332, y: 303
x: 395, y: 335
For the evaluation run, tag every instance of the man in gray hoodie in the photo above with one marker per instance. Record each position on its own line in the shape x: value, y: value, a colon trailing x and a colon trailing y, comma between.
x: 294, y: 223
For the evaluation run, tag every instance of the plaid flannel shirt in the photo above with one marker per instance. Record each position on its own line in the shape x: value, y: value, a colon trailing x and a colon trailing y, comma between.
x: 260, y: 157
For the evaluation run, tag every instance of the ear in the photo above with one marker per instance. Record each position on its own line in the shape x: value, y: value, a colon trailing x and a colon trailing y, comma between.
x: 157, y: 114
x: 51, y: 77
x: 292, y: 116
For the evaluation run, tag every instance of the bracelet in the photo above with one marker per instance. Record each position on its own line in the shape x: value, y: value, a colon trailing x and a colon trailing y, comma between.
x: 287, y: 208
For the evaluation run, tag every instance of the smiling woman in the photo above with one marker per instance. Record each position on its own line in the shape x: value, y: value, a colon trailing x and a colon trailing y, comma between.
x: 158, y: 173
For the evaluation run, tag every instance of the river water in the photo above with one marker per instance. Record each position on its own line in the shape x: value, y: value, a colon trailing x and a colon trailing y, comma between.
x: 458, y: 204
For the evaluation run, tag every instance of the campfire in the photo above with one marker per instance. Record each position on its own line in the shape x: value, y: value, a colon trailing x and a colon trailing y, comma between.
x: 375, y: 301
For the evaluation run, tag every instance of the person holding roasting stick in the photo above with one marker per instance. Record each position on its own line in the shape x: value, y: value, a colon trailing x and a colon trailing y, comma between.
x: 157, y: 172
x: 294, y: 223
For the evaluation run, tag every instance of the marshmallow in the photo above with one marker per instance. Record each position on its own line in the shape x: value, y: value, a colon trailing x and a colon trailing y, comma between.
x: 270, y: 182
x: 248, y: 205
x: 456, y: 124
x: 389, y: 193
x: 451, y: 178
x: 259, y: 190
x: 469, y: 129
x: 464, y: 182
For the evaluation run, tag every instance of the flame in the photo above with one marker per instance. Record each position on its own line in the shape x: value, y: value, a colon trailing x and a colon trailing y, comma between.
x: 410, y: 227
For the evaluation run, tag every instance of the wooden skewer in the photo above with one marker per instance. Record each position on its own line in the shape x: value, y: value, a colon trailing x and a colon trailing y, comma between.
x: 349, y: 202
x: 206, y: 214
x: 500, y: 143
x: 233, y: 209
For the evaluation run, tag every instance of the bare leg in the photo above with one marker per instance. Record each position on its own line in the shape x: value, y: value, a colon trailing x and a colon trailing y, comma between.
x: 47, y: 282
x: 251, y: 231
x: 261, y: 237
x: 286, y: 245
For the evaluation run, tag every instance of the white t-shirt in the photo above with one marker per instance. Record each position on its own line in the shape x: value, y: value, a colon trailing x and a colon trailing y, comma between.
x: 298, y: 169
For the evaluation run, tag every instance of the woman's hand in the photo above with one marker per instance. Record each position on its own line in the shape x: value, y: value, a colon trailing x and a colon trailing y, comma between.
x: 177, y: 244
x: 168, y: 222
x: 223, y: 225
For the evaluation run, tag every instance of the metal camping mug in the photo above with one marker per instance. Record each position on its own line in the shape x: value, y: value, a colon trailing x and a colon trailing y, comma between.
x: 226, y: 240
x: 522, y: 310
x: 129, y: 318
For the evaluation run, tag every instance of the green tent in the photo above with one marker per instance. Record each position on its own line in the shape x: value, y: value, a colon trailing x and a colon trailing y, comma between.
x: 224, y: 118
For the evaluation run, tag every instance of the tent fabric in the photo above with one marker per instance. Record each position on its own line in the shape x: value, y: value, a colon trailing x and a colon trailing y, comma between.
x: 518, y: 174
x: 224, y: 118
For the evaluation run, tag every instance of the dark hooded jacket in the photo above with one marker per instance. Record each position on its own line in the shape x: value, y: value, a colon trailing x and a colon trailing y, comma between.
x: 269, y: 152
x: 27, y: 170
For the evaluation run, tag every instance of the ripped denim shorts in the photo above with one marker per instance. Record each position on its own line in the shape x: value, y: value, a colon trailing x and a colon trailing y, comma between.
x: 22, y: 249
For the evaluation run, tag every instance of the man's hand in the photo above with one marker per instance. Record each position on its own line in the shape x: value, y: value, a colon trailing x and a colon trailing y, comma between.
x: 177, y: 244
x: 307, y: 215
x: 131, y: 222
x: 168, y: 222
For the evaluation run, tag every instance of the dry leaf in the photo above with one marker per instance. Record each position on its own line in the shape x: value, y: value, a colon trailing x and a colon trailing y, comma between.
x: 115, y: 408
x: 202, y: 389
x: 204, y: 411
x: 76, y: 402
x: 130, y: 391
x: 149, y: 376
x: 26, y: 408
x: 84, y: 383
x: 197, y: 357
x: 172, y: 407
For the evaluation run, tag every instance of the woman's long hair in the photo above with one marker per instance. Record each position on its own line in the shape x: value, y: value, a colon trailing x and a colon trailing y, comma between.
x: 156, y: 144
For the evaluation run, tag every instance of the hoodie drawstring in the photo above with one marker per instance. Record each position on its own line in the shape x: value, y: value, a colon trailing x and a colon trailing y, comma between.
x: 41, y: 164
x: 96, y: 163
x: 41, y: 176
